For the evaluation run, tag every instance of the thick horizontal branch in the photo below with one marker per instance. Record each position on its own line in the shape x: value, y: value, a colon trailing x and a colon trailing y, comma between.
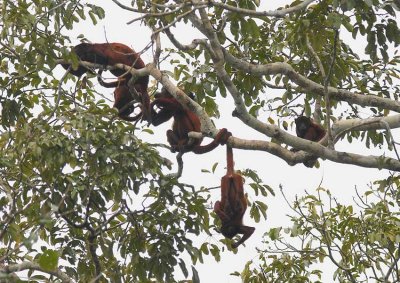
x: 253, y: 13
x: 129, y: 69
x: 377, y: 123
x: 317, y: 149
x: 33, y: 266
x: 272, y: 131
x: 310, y: 86
x: 242, y: 11
x: 380, y: 162
x: 292, y: 158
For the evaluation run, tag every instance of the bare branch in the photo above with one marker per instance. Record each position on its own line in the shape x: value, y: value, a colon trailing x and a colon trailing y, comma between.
x: 291, y: 158
x: 378, y: 123
x: 157, y: 52
x: 180, y: 46
x: 253, y: 13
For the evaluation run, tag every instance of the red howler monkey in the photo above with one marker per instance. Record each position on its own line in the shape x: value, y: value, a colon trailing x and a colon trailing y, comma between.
x: 233, y: 204
x: 185, y: 121
x: 307, y: 129
x: 124, y: 99
x: 111, y: 54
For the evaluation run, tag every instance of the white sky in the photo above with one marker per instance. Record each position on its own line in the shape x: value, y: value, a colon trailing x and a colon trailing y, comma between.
x: 339, y: 178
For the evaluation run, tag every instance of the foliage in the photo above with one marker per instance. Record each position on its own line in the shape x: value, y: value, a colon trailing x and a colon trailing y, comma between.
x: 358, y: 242
x: 77, y: 184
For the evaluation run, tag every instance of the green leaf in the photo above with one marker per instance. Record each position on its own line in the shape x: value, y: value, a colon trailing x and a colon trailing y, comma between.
x: 274, y: 233
x: 214, y: 167
x: 195, y: 277
x: 334, y: 20
x: 48, y: 260
x: 93, y: 18
x: 182, y: 265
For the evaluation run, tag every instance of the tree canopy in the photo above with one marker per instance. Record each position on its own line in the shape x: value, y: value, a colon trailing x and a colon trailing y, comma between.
x: 88, y: 197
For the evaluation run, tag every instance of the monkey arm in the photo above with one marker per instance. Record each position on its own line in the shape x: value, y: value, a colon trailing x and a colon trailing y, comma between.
x: 170, y: 104
x: 247, y: 231
x: 167, y: 108
x: 218, y: 209
x: 144, y: 100
x: 161, y: 117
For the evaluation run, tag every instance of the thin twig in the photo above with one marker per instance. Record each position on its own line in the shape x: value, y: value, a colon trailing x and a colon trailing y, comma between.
x: 326, y: 91
x: 317, y: 111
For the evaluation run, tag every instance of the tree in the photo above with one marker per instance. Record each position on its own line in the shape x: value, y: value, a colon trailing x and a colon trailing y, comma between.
x: 84, y: 197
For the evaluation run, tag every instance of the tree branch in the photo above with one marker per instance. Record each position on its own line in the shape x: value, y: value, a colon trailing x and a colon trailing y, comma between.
x: 93, y: 254
x: 326, y: 92
x: 317, y: 110
x: 33, y: 266
x: 253, y: 13
x: 272, y: 131
x: 308, y: 85
x: 180, y: 46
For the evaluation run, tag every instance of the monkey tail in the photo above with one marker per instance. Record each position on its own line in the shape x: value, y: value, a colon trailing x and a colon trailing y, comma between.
x: 229, y: 160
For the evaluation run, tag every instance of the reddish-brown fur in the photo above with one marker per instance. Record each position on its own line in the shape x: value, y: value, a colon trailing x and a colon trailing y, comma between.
x: 307, y: 129
x: 125, y: 101
x: 111, y: 54
x: 233, y: 204
x: 185, y: 121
